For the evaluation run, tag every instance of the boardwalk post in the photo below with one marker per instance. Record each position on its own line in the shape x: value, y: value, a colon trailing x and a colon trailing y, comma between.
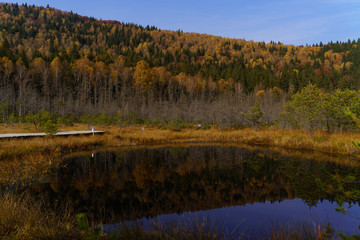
x: 92, y: 130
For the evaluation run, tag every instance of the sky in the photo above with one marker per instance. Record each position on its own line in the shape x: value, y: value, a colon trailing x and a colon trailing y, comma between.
x: 297, y: 22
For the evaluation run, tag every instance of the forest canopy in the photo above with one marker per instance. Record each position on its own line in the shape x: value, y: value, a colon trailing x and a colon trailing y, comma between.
x: 72, y: 64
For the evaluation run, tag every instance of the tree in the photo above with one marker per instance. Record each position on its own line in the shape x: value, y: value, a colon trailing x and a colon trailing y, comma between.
x: 142, y: 76
x: 7, y: 67
x: 336, y: 106
x: 100, y: 72
x: 56, y: 70
x: 40, y: 70
x: 253, y: 115
x: 4, y: 111
x: 306, y: 108
x: 21, y: 80
x: 84, y: 73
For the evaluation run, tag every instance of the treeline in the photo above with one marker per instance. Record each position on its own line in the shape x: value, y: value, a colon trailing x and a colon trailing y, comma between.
x: 51, y: 122
x: 71, y: 64
x: 310, y: 109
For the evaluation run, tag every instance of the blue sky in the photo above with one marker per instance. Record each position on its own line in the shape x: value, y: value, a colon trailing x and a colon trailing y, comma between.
x: 288, y: 21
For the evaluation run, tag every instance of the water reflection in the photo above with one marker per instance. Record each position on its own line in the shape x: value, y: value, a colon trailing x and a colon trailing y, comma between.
x: 138, y: 183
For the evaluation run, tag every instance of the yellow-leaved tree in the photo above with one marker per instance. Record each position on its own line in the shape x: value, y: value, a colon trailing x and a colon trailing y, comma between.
x: 142, y: 76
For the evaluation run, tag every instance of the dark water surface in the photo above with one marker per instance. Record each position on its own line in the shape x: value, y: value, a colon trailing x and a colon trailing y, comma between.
x: 241, y: 190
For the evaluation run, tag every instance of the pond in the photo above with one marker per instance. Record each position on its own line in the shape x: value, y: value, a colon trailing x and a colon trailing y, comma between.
x: 242, y: 191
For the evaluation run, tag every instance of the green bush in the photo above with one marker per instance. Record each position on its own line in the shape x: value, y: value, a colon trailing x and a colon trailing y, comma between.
x: 104, y: 120
x: 177, y: 125
x: 50, y: 127
x: 157, y: 122
x: 67, y: 121
x: 253, y: 115
x: 4, y: 109
x: 237, y: 125
x: 41, y: 119
x: 131, y: 119
x: 87, y: 232
x: 87, y: 119
x: 11, y: 119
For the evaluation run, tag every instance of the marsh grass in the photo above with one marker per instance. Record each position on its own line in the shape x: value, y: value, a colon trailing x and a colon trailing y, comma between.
x: 28, y: 160
x: 23, y: 217
x: 202, y: 230
x: 298, y: 231
x: 209, y: 230
x: 341, y: 143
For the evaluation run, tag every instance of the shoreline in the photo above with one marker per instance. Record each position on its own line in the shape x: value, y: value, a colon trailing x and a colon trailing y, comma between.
x: 112, y: 136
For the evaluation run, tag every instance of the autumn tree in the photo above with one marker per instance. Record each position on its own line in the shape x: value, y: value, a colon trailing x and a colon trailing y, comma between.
x: 100, y: 81
x: 7, y: 68
x: 84, y: 73
x: 56, y: 70
x: 40, y: 71
x: 142, y: 76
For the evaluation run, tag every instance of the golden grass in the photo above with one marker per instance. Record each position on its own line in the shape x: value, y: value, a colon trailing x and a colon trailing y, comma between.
x: 24, y: 160
x: 22, y: 217
x: 340, y: 143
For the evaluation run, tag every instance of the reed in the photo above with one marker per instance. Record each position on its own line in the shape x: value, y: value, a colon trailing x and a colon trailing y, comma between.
x: 208, y: 230
x: 298, y: 231
x: 27, y: 160
x: 23, y: 217
x: 339, y: 143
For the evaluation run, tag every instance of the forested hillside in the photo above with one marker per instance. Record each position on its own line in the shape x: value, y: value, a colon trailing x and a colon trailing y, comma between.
x: 71, y: 64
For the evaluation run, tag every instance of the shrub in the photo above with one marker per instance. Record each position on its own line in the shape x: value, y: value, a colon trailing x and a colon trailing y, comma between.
x: 67, y: 121
x: 87, y: 119
x: 50, y: 127
x: 104, y: 119
x: 253, y: 115
x: 177, y: 125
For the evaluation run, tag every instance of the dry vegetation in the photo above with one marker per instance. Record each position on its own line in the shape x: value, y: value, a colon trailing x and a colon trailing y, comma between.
x: 24, y: 160
x: 22, y: 217
x: 339, y: 143
x: 27, y: 160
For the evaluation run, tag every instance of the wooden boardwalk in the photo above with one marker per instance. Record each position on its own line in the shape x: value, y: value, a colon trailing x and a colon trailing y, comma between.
x: 30, y: 135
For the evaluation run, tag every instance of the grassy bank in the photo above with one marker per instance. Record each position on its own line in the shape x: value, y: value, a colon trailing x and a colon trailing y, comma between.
x: 25, y: 160
x: 22, y: 217
x: 339, y: 143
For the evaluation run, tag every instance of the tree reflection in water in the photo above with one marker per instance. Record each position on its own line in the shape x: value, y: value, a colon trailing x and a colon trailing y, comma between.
x: 132, y: 184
